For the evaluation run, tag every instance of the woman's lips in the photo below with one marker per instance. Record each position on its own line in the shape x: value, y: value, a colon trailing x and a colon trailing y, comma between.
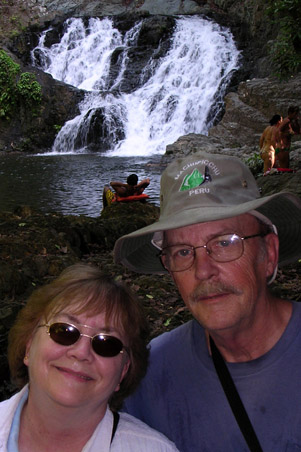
x: 81, y: 376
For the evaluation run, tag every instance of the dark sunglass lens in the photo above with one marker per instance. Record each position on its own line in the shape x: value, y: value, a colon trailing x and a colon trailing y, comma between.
x: 106, y: 346
x: 63, y: 333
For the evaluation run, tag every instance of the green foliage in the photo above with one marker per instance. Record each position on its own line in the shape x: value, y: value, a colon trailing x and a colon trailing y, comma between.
x: 17, y: 89
x: 57, y: 127
x: 255, y: 164
x: 8, y: 76
x: 29, y: 89
x: 285, y: 50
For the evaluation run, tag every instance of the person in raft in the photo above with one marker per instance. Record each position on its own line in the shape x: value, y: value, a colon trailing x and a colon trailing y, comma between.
x: 77, y: 348
x: 221, y: 242
x: 124, y: 190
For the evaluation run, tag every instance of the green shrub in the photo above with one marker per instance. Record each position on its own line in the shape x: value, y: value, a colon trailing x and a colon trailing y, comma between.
x: 29, y: 89
x: 9, y: 71
x: 285, y: 50
x: 17, y: 89
x: 255, y: 164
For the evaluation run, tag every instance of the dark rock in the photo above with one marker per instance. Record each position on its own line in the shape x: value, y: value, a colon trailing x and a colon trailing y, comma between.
x: 248, y: 111
x: 102, y: 131
x: 32, y: 132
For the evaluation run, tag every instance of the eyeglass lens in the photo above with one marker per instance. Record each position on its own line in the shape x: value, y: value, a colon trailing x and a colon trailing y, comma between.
x: 223, y: 248
x: 102, y: 344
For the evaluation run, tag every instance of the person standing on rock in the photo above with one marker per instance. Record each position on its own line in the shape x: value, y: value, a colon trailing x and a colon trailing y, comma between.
x: 290, y: 126
x: 268, y: 143
x: 228, y: 380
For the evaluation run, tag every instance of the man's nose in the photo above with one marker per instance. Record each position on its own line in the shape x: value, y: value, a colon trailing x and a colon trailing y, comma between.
x: 204, y: 266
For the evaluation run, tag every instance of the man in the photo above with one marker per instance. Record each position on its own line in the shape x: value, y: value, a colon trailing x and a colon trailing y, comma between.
x: 122, y: 190
x: 218, y: 240
x: 289, y: 127
x: 131, y: 187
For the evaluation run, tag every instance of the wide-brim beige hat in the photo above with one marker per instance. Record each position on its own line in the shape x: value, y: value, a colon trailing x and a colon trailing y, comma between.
x: 207, y: 187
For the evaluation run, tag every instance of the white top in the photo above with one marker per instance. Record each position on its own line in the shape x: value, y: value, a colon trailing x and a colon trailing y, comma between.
x: 131, y: 435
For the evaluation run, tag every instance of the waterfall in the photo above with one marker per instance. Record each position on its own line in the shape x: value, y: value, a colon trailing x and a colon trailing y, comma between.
x: 177, y: 98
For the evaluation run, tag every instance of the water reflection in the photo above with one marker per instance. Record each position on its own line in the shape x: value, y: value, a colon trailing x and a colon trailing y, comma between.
x: 69, y: 184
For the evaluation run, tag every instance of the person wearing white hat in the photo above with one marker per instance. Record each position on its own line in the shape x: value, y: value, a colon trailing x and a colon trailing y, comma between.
x: 229, y: 380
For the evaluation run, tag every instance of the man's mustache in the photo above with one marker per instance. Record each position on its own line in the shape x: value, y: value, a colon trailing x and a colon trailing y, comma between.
x: 206, y: 289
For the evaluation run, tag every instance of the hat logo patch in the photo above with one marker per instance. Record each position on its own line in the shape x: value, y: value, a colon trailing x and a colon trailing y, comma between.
x: 195, y: 179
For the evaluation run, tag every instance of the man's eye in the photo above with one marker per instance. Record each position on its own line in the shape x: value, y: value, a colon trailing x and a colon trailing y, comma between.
x: 224, y: 242
x: 183, y: 252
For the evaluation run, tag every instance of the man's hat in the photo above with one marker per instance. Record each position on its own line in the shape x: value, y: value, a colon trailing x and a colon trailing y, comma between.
x: 207, y: 187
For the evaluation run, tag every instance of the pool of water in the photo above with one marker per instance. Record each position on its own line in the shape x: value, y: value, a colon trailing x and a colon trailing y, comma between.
x: 69, y: 184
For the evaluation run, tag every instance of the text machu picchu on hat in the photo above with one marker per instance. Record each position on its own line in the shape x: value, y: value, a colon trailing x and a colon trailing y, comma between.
x: 207, y: 187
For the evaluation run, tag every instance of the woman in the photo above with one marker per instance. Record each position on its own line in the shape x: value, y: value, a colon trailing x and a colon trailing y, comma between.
x: 80, y: 344
x: 268, y: 143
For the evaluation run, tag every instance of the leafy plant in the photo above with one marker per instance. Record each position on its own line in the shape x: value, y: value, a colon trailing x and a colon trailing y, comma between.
x: 57, y: 127
x: 8, y: 75
x: 255, y: 164
x: 285, y: 50
x: 17, y: 89
x: 29, y: 89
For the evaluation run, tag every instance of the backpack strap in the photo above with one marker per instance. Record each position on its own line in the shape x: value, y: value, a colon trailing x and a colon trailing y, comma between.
x: 234, y: 400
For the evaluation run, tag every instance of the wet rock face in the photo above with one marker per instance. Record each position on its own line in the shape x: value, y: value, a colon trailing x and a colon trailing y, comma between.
x: 60, y: 101
x: 248, y: 111
x: 247, y: 21
x: 101, y: 132
x: 32, y: 132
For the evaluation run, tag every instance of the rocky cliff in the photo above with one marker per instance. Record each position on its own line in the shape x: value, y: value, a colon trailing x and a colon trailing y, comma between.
x: 247, y: 20
x: 255, y: 95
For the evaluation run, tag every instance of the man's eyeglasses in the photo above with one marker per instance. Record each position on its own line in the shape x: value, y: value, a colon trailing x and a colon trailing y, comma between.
x: 67, y: 334
x: 223, y: 248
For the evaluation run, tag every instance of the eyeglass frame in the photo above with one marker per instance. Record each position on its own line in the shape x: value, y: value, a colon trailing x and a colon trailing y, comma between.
x: 48, y: 326
x: 193, y: 248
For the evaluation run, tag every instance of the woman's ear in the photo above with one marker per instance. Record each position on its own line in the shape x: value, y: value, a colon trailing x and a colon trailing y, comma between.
x: 27, y: 351
x: 124, y: 371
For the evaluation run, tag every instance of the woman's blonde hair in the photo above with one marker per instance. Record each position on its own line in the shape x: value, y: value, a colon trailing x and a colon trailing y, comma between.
x: 90, y: 291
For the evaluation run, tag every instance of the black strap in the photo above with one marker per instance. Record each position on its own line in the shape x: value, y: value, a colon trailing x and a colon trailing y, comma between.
x: 234, y: 400
x: 115, y: 424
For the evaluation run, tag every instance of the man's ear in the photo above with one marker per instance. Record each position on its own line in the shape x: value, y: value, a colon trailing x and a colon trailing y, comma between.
x: 272, y: 247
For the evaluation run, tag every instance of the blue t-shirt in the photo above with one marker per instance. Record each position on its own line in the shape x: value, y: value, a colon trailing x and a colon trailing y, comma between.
x: 182, y: 397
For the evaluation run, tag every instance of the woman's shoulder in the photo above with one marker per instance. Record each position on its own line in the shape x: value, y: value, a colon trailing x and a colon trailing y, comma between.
x: 135, y: 435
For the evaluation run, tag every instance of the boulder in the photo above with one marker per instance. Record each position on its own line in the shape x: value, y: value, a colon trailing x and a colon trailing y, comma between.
x: 248, y: 111
x: 32, y: 132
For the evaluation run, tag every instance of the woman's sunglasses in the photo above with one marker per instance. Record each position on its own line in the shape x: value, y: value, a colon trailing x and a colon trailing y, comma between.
x: 67, y: 334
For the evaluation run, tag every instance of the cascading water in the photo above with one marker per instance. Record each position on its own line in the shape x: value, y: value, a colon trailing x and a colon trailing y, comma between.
x: 175, y: 100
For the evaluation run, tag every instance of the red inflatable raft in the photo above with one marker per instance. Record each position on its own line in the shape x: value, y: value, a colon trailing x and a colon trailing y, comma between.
x: 141, y: 197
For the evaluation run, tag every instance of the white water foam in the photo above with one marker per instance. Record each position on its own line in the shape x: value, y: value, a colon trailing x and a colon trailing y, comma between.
x: 175, y: 101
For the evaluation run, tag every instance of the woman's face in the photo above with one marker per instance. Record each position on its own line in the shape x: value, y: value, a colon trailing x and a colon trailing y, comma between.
x: 74, y: 376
